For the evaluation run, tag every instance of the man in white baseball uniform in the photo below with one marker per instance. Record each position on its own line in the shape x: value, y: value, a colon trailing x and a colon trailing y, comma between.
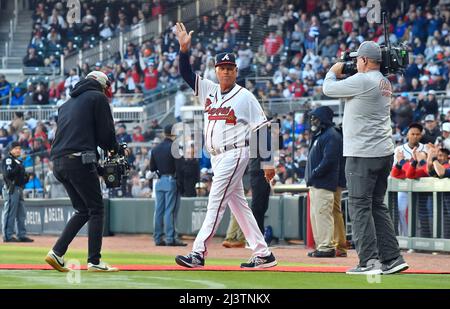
x: 231, y: 113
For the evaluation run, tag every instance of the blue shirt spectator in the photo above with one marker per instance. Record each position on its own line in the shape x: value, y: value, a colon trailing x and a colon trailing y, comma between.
x: 17, y: 98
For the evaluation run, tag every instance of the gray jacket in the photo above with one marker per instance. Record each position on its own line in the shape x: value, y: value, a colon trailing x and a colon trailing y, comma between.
x: 366, y: 124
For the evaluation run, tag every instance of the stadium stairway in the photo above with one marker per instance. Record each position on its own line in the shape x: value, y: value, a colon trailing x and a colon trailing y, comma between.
x: 21, y: 38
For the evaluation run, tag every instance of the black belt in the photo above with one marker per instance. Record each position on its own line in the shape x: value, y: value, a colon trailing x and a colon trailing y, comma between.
x: 229, y: 147
x: 71, y: 156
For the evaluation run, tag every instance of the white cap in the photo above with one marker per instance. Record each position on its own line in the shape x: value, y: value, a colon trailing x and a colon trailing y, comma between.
x: 429, y: 118
x: 100, y: 77
x: 446, y: 126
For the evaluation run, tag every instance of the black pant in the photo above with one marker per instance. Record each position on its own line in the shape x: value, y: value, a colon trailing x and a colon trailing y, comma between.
x: 373, y: 230
x: 83, y: 187
x: 260, y: 197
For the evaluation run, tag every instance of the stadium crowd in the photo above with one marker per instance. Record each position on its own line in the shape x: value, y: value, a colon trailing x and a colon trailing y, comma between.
x: 283, y: 53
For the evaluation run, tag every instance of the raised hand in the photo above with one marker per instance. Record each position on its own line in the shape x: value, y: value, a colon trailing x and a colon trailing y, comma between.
x: 399, y: 156
x: 184, y: 38
x: 414, y: 153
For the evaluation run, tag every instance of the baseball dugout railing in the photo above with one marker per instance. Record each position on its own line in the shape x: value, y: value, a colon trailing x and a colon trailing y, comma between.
x: 427, y: 213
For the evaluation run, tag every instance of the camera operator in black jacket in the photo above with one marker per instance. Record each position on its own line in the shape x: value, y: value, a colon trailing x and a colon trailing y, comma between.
x: 85, y: 122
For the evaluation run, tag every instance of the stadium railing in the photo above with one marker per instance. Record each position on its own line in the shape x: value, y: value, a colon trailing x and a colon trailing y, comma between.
x: 428, y: 213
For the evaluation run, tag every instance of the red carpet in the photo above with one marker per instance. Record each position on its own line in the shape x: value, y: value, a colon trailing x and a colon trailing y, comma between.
x: 307, y: 269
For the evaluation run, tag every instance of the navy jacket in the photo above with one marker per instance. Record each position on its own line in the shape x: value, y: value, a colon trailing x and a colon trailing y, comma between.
x: 324, y: 160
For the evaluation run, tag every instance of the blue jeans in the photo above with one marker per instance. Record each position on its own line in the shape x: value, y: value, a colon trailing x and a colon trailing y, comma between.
x: 165, y: 209
x: 13, y: 211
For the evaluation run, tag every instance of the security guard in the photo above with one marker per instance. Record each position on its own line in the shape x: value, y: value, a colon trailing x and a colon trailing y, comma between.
x: 169, y: 170
x: 85, y: 122
x: 14, y: 211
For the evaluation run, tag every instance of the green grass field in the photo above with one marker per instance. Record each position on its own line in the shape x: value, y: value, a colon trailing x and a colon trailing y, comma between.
x: 43, y: 279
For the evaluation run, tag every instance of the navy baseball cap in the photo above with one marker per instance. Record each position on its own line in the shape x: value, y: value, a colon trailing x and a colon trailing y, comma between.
x: 225, y: 58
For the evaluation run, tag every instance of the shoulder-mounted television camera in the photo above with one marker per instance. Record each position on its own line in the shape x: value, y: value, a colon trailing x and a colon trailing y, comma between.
x: 394, y: 59
x: 116, y: 168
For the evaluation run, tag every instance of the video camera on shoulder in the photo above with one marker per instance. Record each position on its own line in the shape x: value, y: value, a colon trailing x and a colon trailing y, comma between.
x: 116, y: 169
x: 394, y: 59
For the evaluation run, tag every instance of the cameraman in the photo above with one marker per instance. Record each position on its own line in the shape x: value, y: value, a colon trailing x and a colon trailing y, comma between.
x: 84, y: 123
x: 15, y: 179
x: 369, y: 149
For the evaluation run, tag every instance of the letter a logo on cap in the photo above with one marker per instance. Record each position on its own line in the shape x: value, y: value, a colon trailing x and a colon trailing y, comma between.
x: 226, y: 57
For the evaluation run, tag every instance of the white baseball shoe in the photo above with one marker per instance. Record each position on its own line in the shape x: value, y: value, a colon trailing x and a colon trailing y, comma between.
x: 57, y: 262
x: 101, y: 267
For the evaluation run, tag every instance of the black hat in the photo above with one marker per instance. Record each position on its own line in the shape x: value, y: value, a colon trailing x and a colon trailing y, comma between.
x: 14, y: 145
x: 225, y: 58
x: 168, y: 130
x: 324, y: 113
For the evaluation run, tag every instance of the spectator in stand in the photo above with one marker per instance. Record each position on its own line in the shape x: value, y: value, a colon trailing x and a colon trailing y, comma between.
x: 53, y: 92
x: 273, y: 45
x: 429, y: 106
x: 33, y: 183
x: 297, y: 89
x: 431, y: 132
x: 28, y: 96
x: 137, y: 134
x: 71, y: 81
x: 443, y: 141
x: 328, y: 48
x: 402, y: 110
x: 5, y: 88
x: 17, y: 98
x: 32, y: 59
x: 5, y: 139
x: 150, y: 77
x: 41, y: 95
x: 122, y: 136
x: 152, y: 131
x: 106, y: 29
x: 17, y: 123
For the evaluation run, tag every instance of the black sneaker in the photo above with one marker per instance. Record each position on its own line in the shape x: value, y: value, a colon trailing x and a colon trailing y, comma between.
x: 25, y: 239
x: 373, y: 267
x: 260, y: 262
x: 192, y: 260
x: 394, y: 266
x: 322, y: 254
x: 12, y: 239
x: 161, y: 243
x: 176, y: 243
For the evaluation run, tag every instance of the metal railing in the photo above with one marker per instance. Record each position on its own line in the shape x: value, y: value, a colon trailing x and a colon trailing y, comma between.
x: 46, y: 112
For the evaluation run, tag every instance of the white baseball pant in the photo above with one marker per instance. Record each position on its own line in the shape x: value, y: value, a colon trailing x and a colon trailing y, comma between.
x: 227, y: 189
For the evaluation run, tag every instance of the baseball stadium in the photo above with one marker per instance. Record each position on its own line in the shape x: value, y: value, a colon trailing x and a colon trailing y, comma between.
x: 164, y: 193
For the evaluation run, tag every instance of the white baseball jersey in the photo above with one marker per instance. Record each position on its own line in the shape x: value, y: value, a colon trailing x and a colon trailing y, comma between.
x: 407, y: 151
x: 228, y: 117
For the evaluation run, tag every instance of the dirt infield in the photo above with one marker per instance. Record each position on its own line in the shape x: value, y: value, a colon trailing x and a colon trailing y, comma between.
x: 290, y: 253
